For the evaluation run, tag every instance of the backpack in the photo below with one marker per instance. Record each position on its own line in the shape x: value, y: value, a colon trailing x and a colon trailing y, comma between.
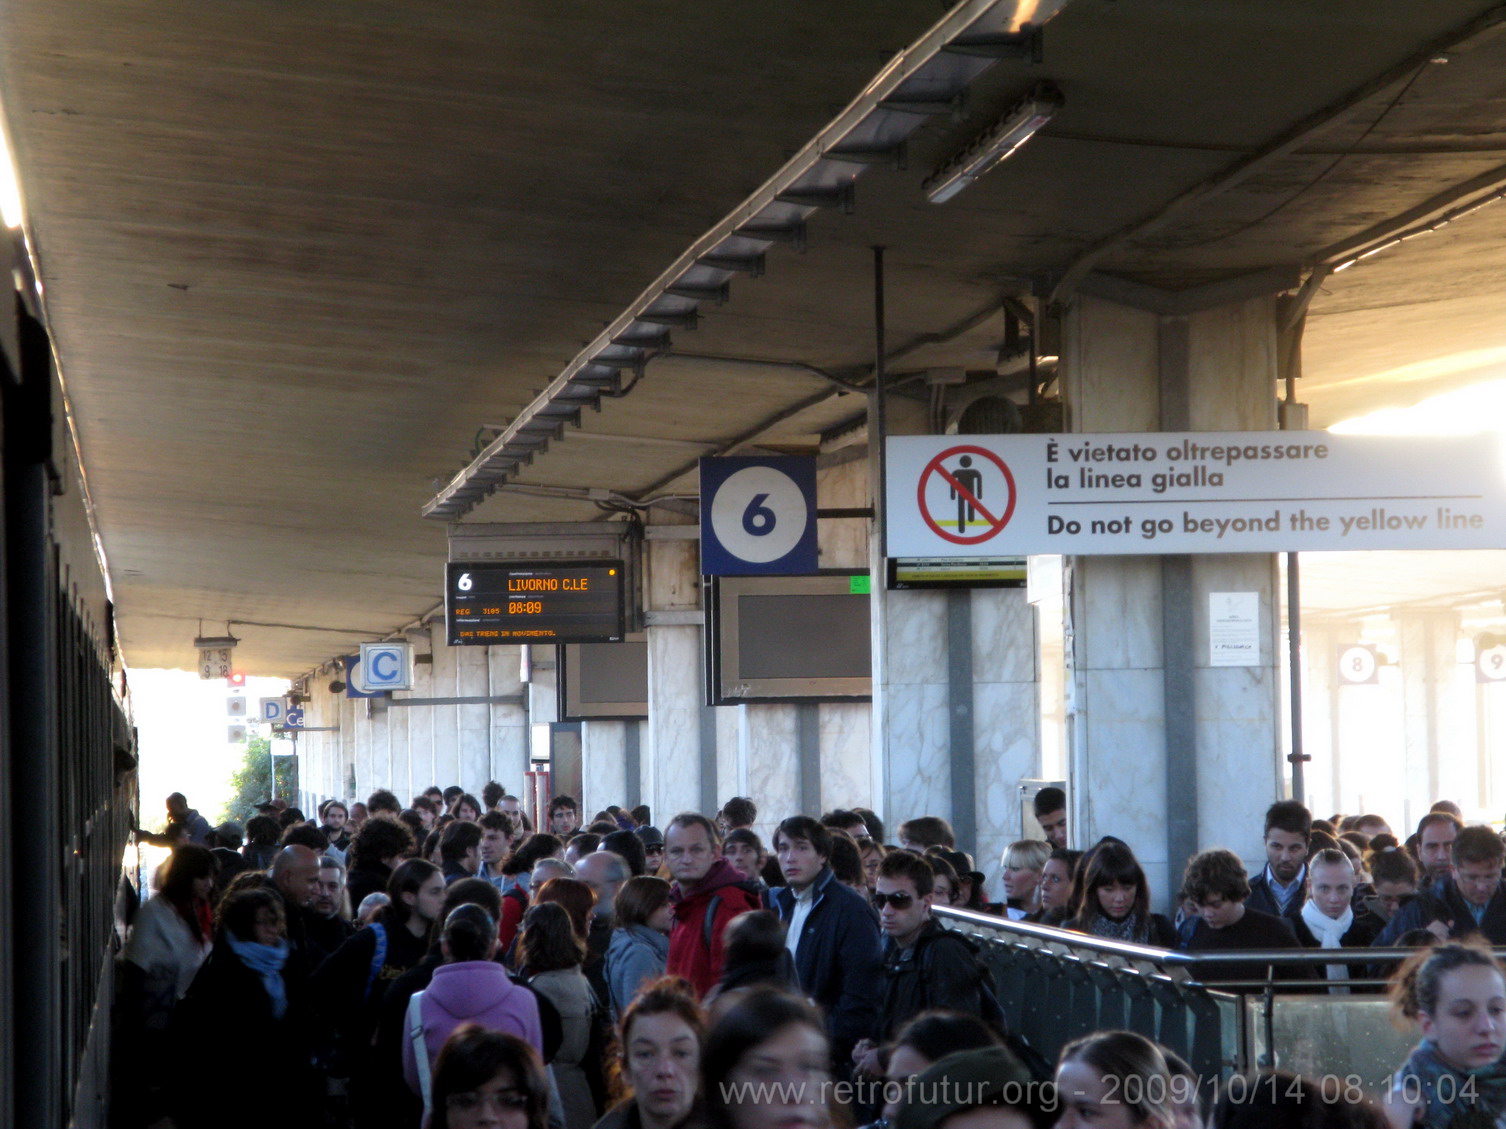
x: 992, y: 1012
x: 715, y: 903
x: 989, y: 1008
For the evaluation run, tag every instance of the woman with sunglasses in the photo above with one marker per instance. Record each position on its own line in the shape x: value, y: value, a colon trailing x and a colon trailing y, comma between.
x: 489, y: 1080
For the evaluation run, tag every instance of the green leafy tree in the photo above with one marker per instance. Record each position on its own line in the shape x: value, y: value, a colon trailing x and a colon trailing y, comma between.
x: 253, y: 780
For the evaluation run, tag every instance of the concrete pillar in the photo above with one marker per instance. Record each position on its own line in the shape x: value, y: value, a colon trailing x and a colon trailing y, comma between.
x: 1438, y: 720
x: 445, y: 720
x: 1006, y: 715
x: 508, y: 746
x: 1166, y: 751
x: 843, y: 729
x: 671, y: 762
x: 473, y: 720
x: 421, y: 772
x: 604, y: 756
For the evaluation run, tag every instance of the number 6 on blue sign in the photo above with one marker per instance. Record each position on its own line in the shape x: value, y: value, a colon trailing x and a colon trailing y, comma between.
x: 758, y: 519
x: 758, y: 516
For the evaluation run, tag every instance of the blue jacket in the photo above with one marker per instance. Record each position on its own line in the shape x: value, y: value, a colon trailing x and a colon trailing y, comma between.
x: 635, y: 956
x: 840, y: 959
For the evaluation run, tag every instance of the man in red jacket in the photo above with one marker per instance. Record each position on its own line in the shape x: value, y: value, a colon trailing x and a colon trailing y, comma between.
x: 707, y: 893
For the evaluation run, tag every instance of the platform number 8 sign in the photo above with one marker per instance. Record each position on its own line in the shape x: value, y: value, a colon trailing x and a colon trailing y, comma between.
x: 1358, y: 665
x: 758, y: 516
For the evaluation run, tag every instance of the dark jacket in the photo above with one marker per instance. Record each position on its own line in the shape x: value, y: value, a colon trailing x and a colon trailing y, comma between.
x: 1158, y: 932
x: 1445, y: 903
x: 1255, y: 930
x: 366, y: 879
x: 225, y: 990
x: 598, y: 940
x: 325, y: 935
x: 1360, y: 935
x: 1263, y: 899
x: 939, y: 971
x: 839, y: 959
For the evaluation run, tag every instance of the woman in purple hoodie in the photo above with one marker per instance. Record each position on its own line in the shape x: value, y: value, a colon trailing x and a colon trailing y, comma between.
x: 470, y: 987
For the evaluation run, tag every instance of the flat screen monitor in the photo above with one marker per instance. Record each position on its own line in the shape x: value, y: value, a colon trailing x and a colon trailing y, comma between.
x: 497, y: 602
x: 789, y: 638
x: 603, y: 681
x: 956, y: 572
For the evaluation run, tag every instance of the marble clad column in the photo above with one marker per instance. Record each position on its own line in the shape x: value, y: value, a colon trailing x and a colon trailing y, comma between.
x: 1115, y: 719
x: 911, y: 707
x: 1232, y: 385
x: 401, y: 753
x: 445, y: 719
x: 845, y: 727
x: 1321, y: 705
x: 672, y: 741
x: 421, y: 721
x: 1006, y: 716
x: 1437, y: 723
x: 473, y: 722
x: 910, y: 767
x: 509, y: 722
x: 1115, y: 379
x: 603, y: 754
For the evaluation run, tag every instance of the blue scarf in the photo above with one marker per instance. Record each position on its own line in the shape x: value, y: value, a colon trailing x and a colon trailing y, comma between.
x: 1447, y: 1102
x: 266, y: 961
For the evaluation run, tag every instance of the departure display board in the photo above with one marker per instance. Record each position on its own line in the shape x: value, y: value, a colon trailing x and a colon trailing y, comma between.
x: 488, y: 603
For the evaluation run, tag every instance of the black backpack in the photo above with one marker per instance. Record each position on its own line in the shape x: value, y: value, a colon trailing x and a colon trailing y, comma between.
x: 989, y: 1008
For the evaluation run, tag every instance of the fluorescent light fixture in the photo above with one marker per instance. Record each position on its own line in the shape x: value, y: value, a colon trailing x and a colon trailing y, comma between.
x: 1018, y: 125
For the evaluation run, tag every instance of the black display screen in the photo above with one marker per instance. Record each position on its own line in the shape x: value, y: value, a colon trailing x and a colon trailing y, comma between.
x: 488, y: 603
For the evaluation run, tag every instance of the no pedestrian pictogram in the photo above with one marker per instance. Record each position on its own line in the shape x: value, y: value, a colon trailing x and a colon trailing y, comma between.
x: 963, y: 488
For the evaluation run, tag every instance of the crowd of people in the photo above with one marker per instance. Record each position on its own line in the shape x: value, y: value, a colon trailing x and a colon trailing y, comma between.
x: 447, y: 964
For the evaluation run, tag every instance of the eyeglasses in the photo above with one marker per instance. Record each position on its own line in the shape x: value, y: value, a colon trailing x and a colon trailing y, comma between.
x: 469, y: 1101
x: 898, y: 901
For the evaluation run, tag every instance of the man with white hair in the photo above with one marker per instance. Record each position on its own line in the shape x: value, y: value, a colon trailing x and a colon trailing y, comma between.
x: 548, y: 868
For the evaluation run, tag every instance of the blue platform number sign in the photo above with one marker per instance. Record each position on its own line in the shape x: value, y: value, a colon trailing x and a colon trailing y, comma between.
x: 758, y: 516
x: 383, y: 666
x: 353, y: 680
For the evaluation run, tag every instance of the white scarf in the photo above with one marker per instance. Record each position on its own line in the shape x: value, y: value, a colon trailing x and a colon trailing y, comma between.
x: 1329, y: 932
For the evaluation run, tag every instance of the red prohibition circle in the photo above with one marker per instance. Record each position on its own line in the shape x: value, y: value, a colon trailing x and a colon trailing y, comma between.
x: 995, y: 524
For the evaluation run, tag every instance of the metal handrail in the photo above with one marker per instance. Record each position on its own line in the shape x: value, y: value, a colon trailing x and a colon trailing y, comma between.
x: 1172, y: 958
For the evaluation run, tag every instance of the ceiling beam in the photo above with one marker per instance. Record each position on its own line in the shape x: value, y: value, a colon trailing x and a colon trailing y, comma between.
x: 1286, y: 142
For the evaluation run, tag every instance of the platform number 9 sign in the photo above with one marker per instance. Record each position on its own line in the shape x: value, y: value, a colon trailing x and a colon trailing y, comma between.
x: 1490, y: 664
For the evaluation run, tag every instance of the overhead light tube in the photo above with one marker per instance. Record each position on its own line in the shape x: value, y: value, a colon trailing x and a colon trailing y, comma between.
x: 1017, y: 126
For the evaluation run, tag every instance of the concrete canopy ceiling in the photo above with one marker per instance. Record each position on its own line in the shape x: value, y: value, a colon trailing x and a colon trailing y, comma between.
x: 297, y: 257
